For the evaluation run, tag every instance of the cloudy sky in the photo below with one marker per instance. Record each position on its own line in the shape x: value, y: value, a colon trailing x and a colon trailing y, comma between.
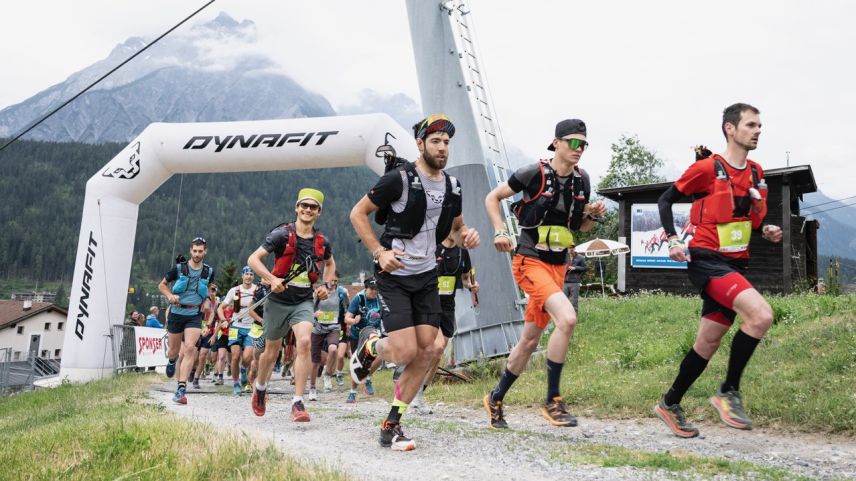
x: 661, y: 70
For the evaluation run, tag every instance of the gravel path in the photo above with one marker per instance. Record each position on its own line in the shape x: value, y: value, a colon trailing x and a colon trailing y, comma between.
x: 455, y: 442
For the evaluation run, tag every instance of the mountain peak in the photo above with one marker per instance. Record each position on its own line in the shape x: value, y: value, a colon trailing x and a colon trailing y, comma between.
x: 224, y: 26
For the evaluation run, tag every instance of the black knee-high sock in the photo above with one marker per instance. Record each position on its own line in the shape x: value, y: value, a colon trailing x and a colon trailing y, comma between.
x: 691, y: 368
x: 502, y: 387
x: 554, y: 375
x: 742, y: 348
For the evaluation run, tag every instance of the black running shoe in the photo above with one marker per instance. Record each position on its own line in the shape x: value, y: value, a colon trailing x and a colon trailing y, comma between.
x: 391, y: 436
x: 361, y: 360
x: 494, y: 411
x: 556, y: 412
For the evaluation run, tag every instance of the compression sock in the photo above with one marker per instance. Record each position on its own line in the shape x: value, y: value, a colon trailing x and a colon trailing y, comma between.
x: 398, y: 409
x: 691, y: 368
x: 742, y: 348
x: 554, y: 375
x: 502, y: 387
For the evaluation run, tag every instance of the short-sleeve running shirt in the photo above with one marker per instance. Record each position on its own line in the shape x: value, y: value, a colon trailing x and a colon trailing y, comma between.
x: 528, y: 180
x: 190, y: 296
x: 246, y: 298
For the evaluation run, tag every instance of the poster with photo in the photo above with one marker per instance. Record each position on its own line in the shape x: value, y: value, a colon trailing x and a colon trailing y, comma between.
x: 649, y: 246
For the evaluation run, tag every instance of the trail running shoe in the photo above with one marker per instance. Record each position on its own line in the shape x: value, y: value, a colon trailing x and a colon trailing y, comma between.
x: 675, y: 418
x: 218, y: 381
x: 419, y: 405
x: 340, y: 380
x: 313, y: 394
x: 170, y: 369
x: 556, y: 412
x: 369, y: 387
x: 352, y: 397
x: 298, y: 413
x: 236, y: 388
x: 729, y: 405
x: 244, y: 379
x: 179, y: 397
x: 328, y: 383
x: 494, y: 412
x: 391, y: 436
x: 361, y: 360
x: 259, y: 401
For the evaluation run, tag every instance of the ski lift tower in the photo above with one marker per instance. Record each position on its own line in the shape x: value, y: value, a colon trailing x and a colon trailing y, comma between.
x: 452, y: 82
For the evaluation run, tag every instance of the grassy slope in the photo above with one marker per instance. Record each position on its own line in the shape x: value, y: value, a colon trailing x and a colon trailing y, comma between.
x: 626, y: 352
x: 105, y: 430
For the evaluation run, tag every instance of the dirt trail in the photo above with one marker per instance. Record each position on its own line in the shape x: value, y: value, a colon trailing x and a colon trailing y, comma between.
x: 455, y: 442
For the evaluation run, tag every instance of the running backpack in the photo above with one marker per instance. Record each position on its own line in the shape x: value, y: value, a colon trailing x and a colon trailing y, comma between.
x: 531, y: 213
x: 717, y: 207
x: 283, y: 264
x: 181, y: 284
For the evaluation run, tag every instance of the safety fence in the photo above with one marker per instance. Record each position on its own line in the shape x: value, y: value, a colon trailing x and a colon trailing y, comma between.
x: 20, y: 375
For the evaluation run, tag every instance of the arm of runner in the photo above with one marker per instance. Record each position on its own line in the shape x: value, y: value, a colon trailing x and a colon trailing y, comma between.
x: 321, y: 291
x: 677, y: 250
x: 163, y: 287
x: 351, y: 319
x: 258, y: 266
x: 501, y: 239
x: 362, y: 225
x: 595, y: 210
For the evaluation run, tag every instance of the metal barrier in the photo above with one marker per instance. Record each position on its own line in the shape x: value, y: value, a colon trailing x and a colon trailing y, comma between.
x: 5, y: 363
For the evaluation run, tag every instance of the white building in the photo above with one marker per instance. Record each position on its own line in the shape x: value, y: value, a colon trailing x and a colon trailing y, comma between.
x: 32, y: 329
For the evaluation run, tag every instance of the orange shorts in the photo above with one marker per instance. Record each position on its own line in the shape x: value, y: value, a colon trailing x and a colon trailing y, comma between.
x: 539, y: 280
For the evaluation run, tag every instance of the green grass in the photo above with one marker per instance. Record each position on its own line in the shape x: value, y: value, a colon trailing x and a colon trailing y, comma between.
x: 106, y: 430
x: 626, y: 352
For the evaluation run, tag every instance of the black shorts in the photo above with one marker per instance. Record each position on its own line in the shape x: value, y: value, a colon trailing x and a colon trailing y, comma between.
x: 222, y: 342
x: 447, y: 321
x: 408, y: 301
x: 177, y: 323
x: 707, y: 265
x: 204, y: 342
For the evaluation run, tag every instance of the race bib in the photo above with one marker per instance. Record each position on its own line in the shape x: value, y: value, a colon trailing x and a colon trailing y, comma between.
x: 734, y: 236
x: 446, y: 285
x: 233, y: 333
x: 554, y: 238
x: 302, y: 280
x: 256, y: 330
x: 327, y: 317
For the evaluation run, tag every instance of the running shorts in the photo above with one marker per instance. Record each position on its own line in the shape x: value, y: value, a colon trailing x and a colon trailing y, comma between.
x: 447, y: 320
x: 408, y: 301
x: 539, y: 280
x: 719, y: 281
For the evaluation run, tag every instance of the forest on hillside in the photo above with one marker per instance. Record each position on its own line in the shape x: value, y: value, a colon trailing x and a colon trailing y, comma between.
x: 43, y: 186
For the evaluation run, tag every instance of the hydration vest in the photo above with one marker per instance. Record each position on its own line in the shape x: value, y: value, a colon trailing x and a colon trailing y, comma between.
x: 407, y: 223
x: 531, y: 213
x: 283, y: 264
x: 236, y: 301
x: 717, y: 206
x: 445, y: 268
x: 181, y: 284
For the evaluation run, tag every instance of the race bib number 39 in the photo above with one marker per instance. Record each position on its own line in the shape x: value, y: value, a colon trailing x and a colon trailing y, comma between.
x: 734, y: 236
x: 446, y: 285
x: 554, y: 238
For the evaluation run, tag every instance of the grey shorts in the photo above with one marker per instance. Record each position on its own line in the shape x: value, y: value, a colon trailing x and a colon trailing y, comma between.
x: 279, y: 318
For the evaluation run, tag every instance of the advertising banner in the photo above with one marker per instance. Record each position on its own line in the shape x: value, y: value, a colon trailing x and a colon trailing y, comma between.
x: 151, y: 346
x: 649, y: 247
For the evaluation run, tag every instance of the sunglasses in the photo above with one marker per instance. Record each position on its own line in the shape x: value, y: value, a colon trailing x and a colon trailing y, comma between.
x: 575, y: 144
x: 197, y: 240
x: 214, y: 288
x: 308, y: 206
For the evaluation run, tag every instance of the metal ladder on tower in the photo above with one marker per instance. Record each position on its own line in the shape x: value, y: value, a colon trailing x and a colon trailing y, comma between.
x: 481, y: 102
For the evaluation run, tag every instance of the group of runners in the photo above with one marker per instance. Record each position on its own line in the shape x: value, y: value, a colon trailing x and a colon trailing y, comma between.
x: 406, y: 313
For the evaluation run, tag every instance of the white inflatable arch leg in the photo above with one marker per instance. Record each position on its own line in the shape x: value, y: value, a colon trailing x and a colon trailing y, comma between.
x: 113, y: 195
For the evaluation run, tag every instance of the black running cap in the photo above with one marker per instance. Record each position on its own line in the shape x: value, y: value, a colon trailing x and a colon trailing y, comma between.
x: 568, y: 127
x: 370, y: 283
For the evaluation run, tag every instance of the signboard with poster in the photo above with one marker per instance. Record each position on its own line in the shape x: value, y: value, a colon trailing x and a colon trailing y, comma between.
x: 649, y: 247
x: 151, y: 346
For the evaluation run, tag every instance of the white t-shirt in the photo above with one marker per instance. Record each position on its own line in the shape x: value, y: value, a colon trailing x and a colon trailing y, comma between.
x: 246, y: 300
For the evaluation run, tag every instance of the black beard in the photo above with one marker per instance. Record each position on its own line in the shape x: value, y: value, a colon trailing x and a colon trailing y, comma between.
x: 432, y: 161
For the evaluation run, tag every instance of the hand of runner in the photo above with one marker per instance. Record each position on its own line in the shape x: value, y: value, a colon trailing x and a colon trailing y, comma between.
x: 470, y: 238
x: 277, y: 285
x: 173, y: 299
x: 388, y: 260
x: 772, y: 233
x: 597, y: 209
x: 678, y: 252
x: 321, y: 292
x: 474, y: 287
x: 503, y: 243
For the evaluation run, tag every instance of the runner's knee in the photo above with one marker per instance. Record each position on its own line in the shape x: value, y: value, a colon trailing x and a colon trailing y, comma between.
x: 760, y: 319
x: 303, y: 346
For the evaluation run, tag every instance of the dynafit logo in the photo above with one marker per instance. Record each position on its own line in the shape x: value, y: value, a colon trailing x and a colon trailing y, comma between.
x: 129, y: 172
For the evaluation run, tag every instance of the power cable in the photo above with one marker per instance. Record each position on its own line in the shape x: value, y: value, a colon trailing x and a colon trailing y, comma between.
x: 831, y: 208
x: 830, y: 202
x: 18, y: 136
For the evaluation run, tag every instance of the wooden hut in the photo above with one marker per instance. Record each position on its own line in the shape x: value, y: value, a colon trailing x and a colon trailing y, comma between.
x: 775, y: 268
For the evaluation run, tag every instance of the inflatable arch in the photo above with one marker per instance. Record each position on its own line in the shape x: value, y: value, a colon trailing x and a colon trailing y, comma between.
x: 113, y: 196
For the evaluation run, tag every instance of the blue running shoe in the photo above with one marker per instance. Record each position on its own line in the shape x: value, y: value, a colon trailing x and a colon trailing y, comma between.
x: 352, y: 397
x: 170, y: 369
x: 369, y: 387
x: 236, y: 389
x: 244, y: 380
x: 179, y: 397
